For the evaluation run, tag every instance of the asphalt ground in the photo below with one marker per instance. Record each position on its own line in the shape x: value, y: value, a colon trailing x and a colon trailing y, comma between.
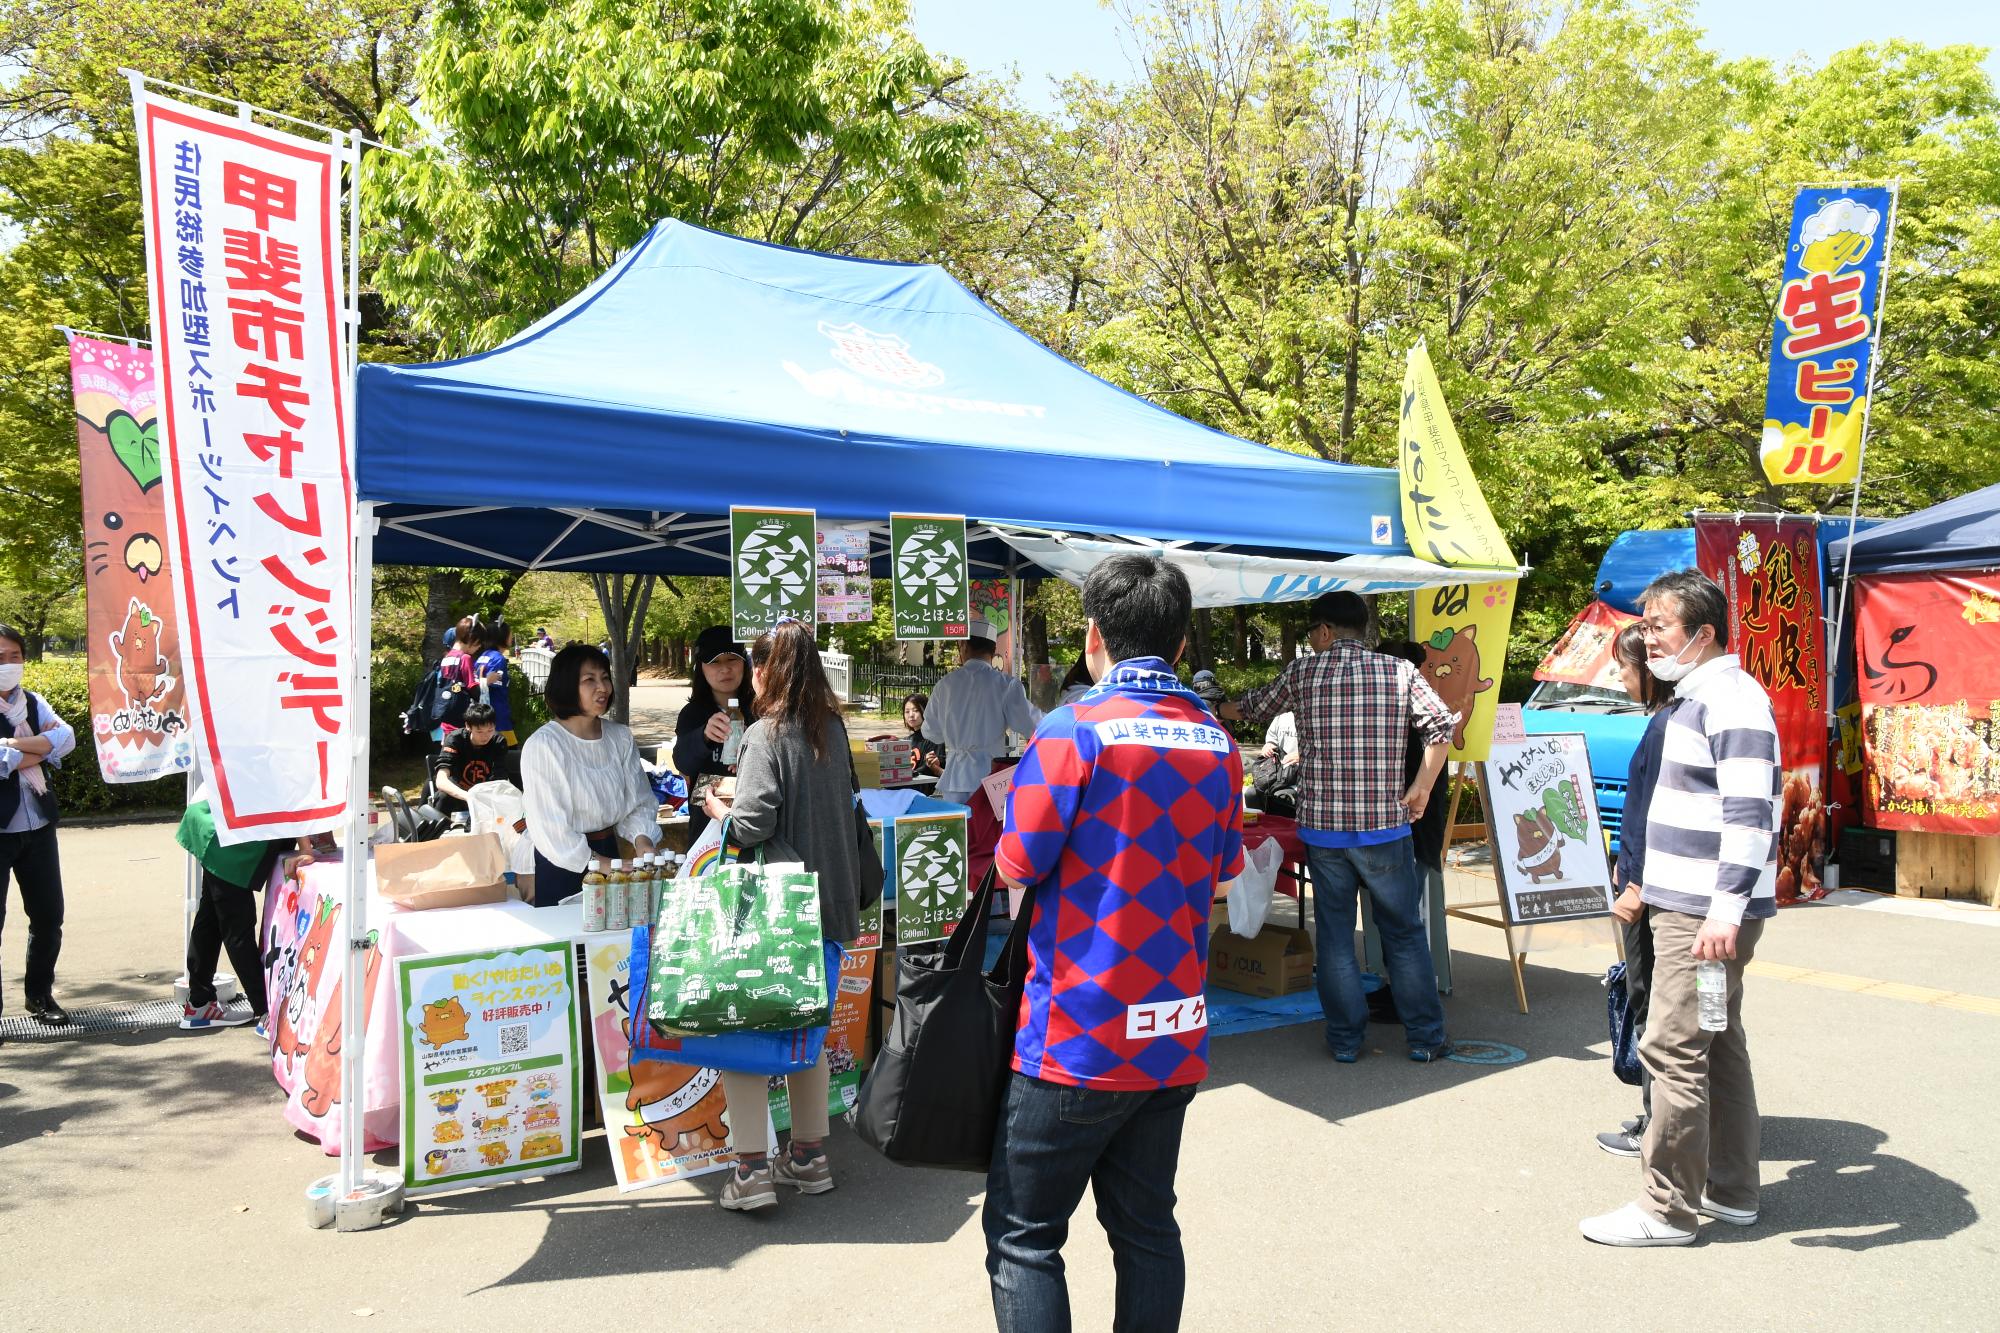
x: 150, y: 1181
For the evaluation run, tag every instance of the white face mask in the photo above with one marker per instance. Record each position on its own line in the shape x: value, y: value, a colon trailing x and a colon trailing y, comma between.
x: 10, y: 677
x: 1671, y: 669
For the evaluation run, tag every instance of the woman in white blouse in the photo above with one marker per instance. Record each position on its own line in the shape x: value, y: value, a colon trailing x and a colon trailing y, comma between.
x: 581, y: 781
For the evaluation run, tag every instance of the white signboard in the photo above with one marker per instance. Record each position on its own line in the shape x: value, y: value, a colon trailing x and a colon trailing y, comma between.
x: 243, y: 257
x: 1548, y: 843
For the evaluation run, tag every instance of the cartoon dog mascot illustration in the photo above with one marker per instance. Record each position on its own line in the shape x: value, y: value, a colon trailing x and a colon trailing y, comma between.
x: 495, y: 1154
x: 662, y: 1095
x: 447, y: 1101
x: 142, y: 668
x: 447, y: 1131
x: 436, y: 1162
x: 541, y: 1145
x: 299, y: 1014
x: 1540, y: 855
x: 493, y: 1126
x: 323, y: 1060
x: 1451, y: 665
x: 444, y: 1022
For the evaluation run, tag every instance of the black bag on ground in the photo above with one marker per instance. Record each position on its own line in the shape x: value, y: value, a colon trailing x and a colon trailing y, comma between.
x: 933, y: 1097
x: 1624, y: 1027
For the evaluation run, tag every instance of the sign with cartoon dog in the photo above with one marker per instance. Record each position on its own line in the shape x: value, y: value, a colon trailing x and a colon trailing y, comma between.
x: 138, y: 708
x: 1548, y: 842
x: 492, y: 1073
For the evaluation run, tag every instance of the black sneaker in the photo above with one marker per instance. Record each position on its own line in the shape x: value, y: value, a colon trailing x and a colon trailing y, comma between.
x: 1425, y: 1055
x: 46, y: 1010
x: 1618, y: 1143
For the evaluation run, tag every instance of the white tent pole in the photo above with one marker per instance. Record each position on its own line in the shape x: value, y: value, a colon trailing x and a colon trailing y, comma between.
x: 354, y: 913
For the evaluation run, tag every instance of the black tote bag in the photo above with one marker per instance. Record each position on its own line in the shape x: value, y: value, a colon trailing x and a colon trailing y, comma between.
x: 933, y: 1097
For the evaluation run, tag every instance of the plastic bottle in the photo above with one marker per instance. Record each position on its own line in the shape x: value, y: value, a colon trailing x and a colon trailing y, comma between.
x: 593, y: 899
x: 639, y: 892
x: 1711, y: 988
x: 617, y: 912
x: 735, y: 745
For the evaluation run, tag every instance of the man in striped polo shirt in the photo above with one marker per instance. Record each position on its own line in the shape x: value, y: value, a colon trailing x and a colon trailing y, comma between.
x: 1709, y: 883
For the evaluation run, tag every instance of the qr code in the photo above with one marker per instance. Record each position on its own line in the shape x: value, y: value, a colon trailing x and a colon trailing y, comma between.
x: 514, y: 1039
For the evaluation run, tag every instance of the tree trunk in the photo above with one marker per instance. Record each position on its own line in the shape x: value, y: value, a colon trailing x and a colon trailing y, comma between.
x: 623, y: 599
x: 1034, y: 629
x: 1288, y: 639
x: 447, y: 592
x: 1200, y: 658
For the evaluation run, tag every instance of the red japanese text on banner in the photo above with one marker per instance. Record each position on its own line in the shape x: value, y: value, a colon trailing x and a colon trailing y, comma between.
x: 1769, y: 567
x: 243, y: 253
x: 1930, y: 700
x: 138, y: 705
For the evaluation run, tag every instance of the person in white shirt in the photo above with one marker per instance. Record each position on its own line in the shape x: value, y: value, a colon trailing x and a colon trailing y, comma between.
x: 33, y: 743
x: 582, y: 785
x: 972, y: 709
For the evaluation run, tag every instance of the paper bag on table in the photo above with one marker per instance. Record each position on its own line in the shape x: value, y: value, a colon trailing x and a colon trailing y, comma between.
x: 446, y: 872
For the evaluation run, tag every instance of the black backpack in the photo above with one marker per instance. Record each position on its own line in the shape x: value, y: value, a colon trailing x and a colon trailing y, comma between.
x: 436, y: 703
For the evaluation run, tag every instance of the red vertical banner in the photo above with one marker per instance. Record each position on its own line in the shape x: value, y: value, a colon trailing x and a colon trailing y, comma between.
x: 1768, y: 564
x: 1930, y: 700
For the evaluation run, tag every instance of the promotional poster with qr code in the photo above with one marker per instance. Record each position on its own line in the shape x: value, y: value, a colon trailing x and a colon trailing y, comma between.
x: 491, y: 1065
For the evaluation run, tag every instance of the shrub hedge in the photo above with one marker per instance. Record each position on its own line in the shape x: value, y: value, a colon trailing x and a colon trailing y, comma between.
x: 82, y: 790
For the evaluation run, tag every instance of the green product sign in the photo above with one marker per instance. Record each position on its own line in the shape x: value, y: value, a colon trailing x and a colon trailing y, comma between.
x: 772, y: 558
x: 931, y: 593
x: 931, y: 859
x: 492, y: 1077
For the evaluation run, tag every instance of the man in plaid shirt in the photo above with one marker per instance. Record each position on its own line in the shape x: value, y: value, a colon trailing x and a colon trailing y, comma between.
x: 1355, y: 708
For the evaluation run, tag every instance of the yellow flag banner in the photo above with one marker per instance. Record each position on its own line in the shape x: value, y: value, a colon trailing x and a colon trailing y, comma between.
x: 1463, y: 628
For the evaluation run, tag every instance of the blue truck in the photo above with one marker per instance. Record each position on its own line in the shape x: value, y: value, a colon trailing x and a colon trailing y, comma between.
x: 1611, y: 723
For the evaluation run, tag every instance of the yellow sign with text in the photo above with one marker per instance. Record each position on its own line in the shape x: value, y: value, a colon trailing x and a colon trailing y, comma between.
x: 1463, y: 627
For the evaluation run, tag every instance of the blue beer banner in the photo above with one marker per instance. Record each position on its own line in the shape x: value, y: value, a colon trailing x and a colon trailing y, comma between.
x: 1815, y: 403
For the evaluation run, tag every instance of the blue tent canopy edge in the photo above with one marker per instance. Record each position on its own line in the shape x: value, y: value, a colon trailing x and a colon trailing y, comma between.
x: 702, y: 370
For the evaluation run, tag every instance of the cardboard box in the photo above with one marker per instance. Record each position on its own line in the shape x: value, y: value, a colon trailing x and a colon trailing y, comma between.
x: 1278, y: 962
x: 868, y: 768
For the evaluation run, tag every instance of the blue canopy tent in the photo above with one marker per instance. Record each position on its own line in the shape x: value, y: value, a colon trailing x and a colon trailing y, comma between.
x: 703, y: 371
x: 1961, y: 533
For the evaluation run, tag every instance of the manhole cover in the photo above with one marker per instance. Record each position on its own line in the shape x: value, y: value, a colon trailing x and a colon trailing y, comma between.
x: 1486, y: 1053
x: 150, y: 1016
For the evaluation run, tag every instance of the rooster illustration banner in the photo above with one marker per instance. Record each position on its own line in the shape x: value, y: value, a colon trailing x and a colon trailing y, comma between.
x: 138, y: 709
x: 1930, y: 700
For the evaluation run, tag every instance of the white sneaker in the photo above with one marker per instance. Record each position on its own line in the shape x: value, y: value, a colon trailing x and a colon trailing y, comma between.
x: 1736, y: 1217
x: 1632, y: 1226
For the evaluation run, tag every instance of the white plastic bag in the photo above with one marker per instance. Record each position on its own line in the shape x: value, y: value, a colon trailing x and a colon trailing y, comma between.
x: 1250, y: 896
x: 496, y: 807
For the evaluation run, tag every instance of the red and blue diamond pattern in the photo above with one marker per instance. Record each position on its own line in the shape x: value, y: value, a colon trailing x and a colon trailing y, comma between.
x: 1124, y: 843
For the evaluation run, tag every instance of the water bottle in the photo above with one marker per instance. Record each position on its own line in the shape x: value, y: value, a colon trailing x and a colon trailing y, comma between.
x: 617, y: 907
x: 1711, y: 988
x: 732, y: 749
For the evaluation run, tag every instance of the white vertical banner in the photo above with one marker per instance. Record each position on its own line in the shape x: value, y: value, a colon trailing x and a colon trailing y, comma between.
x: 243, y: 253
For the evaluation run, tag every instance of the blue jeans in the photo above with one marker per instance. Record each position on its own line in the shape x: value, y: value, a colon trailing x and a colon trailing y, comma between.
x: 1389, y: 871
x: 1051, y: 1142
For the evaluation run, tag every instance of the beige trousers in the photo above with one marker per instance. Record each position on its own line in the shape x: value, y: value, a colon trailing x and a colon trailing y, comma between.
x: 750, y: 1134
x: 1704, y: 1134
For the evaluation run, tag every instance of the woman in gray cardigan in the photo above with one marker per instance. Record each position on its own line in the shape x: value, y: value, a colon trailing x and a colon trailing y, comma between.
x: 794, y: 795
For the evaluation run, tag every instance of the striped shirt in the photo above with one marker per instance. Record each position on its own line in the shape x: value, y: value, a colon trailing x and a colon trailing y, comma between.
x: 1712, y: 826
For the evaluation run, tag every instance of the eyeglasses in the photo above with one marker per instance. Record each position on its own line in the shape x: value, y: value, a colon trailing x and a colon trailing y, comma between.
x: 1653, y: 629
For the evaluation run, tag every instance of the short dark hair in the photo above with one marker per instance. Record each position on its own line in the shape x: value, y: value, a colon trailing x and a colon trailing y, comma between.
x: 1339, y: 610
x: 565, y: 674
x: 1141, y: 605
x: 480, y: 715
x: 1408, y: 649
x: 9, y: 632
x: 1698, y: 600
x: 922, y: 701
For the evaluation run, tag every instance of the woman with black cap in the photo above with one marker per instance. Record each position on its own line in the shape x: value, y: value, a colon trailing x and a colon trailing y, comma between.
x: 720, y: 674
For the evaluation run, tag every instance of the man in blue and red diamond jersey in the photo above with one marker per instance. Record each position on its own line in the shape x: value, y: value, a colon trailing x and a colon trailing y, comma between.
x: 1124, y: 817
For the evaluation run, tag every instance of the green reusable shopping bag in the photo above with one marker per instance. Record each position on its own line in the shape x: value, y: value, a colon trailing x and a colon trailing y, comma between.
x: 739, y: 949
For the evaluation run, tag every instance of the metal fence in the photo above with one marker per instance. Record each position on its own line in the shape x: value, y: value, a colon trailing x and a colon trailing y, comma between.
x: 890, y: 682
